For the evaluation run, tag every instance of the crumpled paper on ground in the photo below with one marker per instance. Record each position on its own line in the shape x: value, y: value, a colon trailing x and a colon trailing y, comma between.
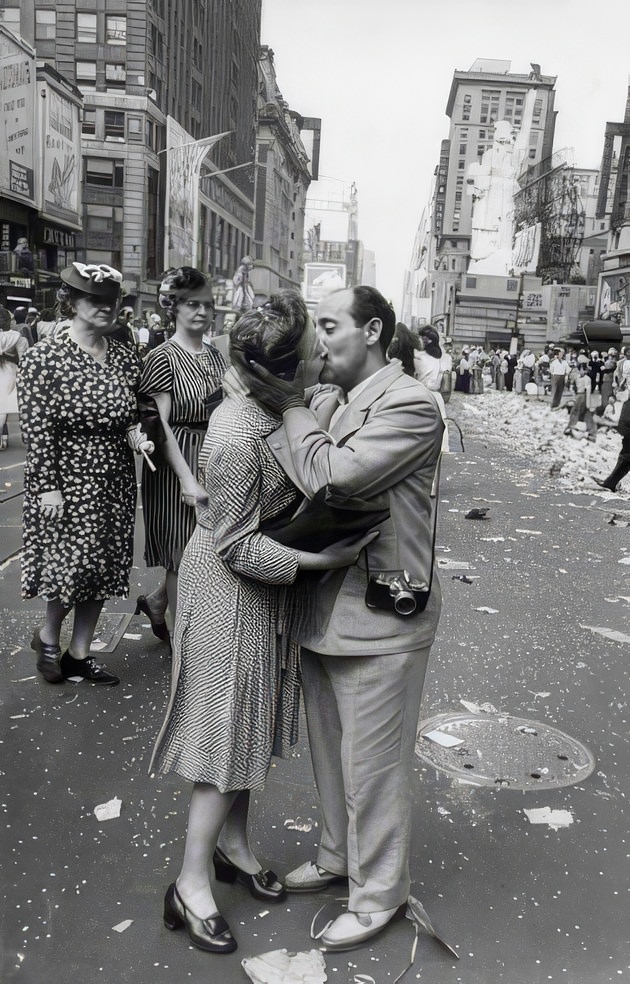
x: 109, y: 810
x: 282, y: 967
x: 554, y: 818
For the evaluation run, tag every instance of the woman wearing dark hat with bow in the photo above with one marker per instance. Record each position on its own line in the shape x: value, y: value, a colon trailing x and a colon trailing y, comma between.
x: 78, y: 415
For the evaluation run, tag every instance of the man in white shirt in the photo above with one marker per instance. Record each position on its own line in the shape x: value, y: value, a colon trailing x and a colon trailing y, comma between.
x: 559, y: 370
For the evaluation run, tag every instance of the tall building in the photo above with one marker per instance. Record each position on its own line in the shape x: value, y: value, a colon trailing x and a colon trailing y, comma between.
x: 283, y: 176
x: 485, y: 95
x: 158, y: 79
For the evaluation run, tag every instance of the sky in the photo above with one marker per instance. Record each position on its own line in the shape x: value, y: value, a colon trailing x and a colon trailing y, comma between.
x: 378, y: 73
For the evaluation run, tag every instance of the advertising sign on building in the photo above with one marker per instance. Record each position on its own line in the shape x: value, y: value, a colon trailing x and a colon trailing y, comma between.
x: 322, y: 278
x: 17, y: 108
x: 61, y: 141
x: 526, y: 249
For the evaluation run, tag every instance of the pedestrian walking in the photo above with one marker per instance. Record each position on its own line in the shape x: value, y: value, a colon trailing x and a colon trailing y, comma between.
x: 13, y: 346
x: 462, y: 378
x: 78, y: 416
x: 184, y: 376
x: 559, y: 373
x: 622, y: 465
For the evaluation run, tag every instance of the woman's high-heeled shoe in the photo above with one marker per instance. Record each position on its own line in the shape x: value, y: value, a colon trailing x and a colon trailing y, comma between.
x: 48, y: 657
x: 264, y: 885
x: 211, y: 934
x: 158, y: 628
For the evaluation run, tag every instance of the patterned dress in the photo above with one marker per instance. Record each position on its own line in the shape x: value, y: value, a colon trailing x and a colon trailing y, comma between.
x: 235, y: 690
x: 190, y: 379
x: 74, y: 414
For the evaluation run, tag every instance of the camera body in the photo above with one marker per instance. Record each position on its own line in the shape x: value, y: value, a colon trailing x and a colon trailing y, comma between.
x: 397, y: 592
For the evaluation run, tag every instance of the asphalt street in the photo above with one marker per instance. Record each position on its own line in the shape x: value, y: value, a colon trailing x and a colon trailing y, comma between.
x: 534, y: 632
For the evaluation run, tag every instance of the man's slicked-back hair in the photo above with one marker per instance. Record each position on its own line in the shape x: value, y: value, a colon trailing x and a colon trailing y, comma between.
x: 368, y: 303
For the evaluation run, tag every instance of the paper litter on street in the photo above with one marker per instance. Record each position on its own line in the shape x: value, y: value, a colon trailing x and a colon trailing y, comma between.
x: 282, y: 967
x: 109, y: 810
x: 122, y: 926
x: 554, y: 818
x: 447, y: 741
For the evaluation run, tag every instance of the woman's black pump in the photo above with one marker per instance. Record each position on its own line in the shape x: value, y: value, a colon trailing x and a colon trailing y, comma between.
x: 211, y: 934
x: 264, y: 885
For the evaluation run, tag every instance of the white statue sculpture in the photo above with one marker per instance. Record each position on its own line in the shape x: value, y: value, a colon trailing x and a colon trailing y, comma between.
x: 492, y: 184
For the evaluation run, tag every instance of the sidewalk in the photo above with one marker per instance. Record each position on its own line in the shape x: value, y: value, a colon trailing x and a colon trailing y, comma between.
x: 541, y: 633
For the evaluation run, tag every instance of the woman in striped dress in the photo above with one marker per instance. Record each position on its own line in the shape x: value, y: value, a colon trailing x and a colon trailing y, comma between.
x: 235, y: 686
x: 184, y: 377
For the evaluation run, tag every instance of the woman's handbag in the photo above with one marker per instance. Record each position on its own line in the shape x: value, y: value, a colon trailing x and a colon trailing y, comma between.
x: 150, y: 420
x: 446, y: 385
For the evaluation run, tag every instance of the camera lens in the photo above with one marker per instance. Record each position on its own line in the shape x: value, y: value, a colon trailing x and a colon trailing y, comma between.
x: 405, y: 603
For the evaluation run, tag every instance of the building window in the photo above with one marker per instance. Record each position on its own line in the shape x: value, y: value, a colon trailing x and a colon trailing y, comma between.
x: 114, y: 125
x: 461, y: 165
x: 45, y: 24
x: 102, y: 218
x: 86, y: 28
x: 10, y: 18
x: 134, y: 128
x: 467, y: 98
x: 115, y: 77
x: 466, y: 115
x: 538, y: 105
x: 88, y: 127
x: 471, y: 282
x: 462, y: 148
x: 513, y: 112
x: 104, y: 172
x: 511, y: 285
x: 458, y: 196
x: 116, y: 30
x: 86, y: 76
x: 489, y: 105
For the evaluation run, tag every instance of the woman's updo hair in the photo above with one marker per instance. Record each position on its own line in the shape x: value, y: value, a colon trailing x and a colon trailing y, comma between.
x: 66, y: 298
x: 402, y: 346
x: 271, y: 335
x: 431, y: 340
x: 175, y: 282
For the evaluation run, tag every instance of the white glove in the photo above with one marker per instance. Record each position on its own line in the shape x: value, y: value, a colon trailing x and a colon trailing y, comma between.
x: 138, y: 441
x: 51, y: 504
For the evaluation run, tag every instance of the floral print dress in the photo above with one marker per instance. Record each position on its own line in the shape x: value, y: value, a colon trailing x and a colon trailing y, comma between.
x: 74, y: 414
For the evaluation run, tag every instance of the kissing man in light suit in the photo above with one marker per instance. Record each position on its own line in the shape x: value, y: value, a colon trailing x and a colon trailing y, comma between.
x: 364, y: 668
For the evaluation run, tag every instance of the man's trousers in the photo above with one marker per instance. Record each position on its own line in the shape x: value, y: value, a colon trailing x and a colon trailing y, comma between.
x: 362, y: 714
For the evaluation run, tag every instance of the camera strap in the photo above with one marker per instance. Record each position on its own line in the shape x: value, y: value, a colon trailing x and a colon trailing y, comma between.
x: 435, y: 488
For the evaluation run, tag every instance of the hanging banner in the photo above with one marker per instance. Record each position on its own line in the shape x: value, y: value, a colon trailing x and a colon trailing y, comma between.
x: 184, y: 157
x: 17, y: 117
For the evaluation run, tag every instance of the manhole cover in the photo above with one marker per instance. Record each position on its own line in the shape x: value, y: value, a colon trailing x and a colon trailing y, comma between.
x: 500, y: 750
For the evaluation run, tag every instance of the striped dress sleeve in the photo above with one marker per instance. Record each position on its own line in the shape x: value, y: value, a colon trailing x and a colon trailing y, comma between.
x: 157, y: 373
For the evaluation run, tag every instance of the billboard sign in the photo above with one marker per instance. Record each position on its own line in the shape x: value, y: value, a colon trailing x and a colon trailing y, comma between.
x: 61, y: 143
x: 526, y: 249
x: 17, y: 117
x: 322, y: 278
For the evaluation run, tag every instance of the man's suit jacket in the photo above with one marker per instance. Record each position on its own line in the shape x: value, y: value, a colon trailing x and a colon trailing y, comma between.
x: 383, y: 452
